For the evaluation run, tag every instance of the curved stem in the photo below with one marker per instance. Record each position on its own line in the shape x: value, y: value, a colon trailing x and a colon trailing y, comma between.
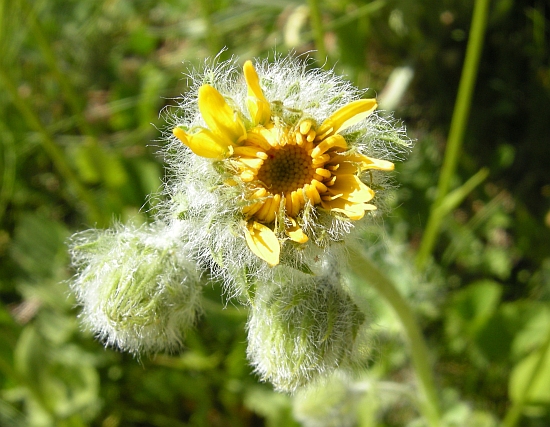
x: 458, y: 125
x: 429, y: 402
x: 318, y: 32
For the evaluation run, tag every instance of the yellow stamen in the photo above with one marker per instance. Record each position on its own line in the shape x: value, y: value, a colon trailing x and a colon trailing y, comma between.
x: 313, y: 194
x: 323, y: 172
x: 252, y: 209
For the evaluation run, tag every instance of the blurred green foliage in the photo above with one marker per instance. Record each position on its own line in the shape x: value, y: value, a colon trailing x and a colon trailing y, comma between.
x: 82, y: 84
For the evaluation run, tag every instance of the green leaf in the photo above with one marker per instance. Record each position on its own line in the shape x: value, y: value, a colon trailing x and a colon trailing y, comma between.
x: 60, y: 383
x: 97, y: 166
x: 535, y: 330
x: 39, y: 245
x: 530, y: 378
x: 470, y: 310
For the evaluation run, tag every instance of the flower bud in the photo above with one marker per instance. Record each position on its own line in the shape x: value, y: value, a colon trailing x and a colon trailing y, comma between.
x: 299, y: 332
x: 332, y: 404
x: 138, y: 290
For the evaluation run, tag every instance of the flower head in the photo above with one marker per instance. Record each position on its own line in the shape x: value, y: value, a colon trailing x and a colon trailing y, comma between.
x: 271, y: 168
x: 139, y: 290
x: 288, y: 166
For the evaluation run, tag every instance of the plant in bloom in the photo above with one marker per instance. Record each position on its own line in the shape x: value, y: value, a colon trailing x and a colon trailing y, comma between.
x: 286, y: 163
x: 272, y: 170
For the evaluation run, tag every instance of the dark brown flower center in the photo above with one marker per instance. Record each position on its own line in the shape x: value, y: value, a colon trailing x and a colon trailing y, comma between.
x: 286, y: 169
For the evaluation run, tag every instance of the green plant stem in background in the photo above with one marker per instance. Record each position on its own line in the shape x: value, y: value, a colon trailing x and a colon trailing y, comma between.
x: 458, y: 126
x: 9, y: 168
x: 55, y: 154
x: 318, y: 33
x: 215, y: 47
x: 515, y: 411
x: 428, y: 401
x: 45, y: 46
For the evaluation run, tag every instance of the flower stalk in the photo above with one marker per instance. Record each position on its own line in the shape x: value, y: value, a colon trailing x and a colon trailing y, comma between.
x: 458, y: 126
x: 420, y: 355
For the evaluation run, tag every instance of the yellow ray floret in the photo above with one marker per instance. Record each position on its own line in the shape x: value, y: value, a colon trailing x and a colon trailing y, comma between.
x: 204, y: 143
x: 346, y: 116
x: 258, y: 106
x: 263, y: 242
x: 221, y: 119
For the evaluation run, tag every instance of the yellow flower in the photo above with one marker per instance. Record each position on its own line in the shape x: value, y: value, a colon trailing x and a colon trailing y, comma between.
x: 284, y: 167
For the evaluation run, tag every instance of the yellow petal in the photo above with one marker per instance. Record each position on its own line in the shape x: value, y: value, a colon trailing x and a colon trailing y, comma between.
x: 346, y: 116
x: 258, y: 106
x: 263, y: 242
x: 255, y: 138
x: 252, y: 209
x: 351, y: 188
x: 296, y: 233
x: 354, y: 211
x: 251, y: 163
x: 250, y: 151
x: 344, y: 168
x: 312, y: 194
x: 376, y: 164
x: 203, y: 143
x: 328, y: 143
x: 266, y: 210
x: 272, y: 136
x: 219, y: 116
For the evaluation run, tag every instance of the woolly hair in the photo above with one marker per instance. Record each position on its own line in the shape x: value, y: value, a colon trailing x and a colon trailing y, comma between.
x: 138, y: 289
x: 300, y: 332
x: 210, y: 210
x: 333, y: 403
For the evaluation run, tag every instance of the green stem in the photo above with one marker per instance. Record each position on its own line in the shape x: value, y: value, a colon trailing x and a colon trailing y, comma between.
x: 49, y: 56
x: 8, y: 176
x: 318, y: 33
x: 51, y: 148
x: 514, y: 413
x: 420, y: 355
x: 212, y: 36
x: 458, y: 126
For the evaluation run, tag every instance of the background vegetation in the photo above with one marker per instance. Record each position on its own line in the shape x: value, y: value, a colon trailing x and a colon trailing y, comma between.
x: 82, y: 84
